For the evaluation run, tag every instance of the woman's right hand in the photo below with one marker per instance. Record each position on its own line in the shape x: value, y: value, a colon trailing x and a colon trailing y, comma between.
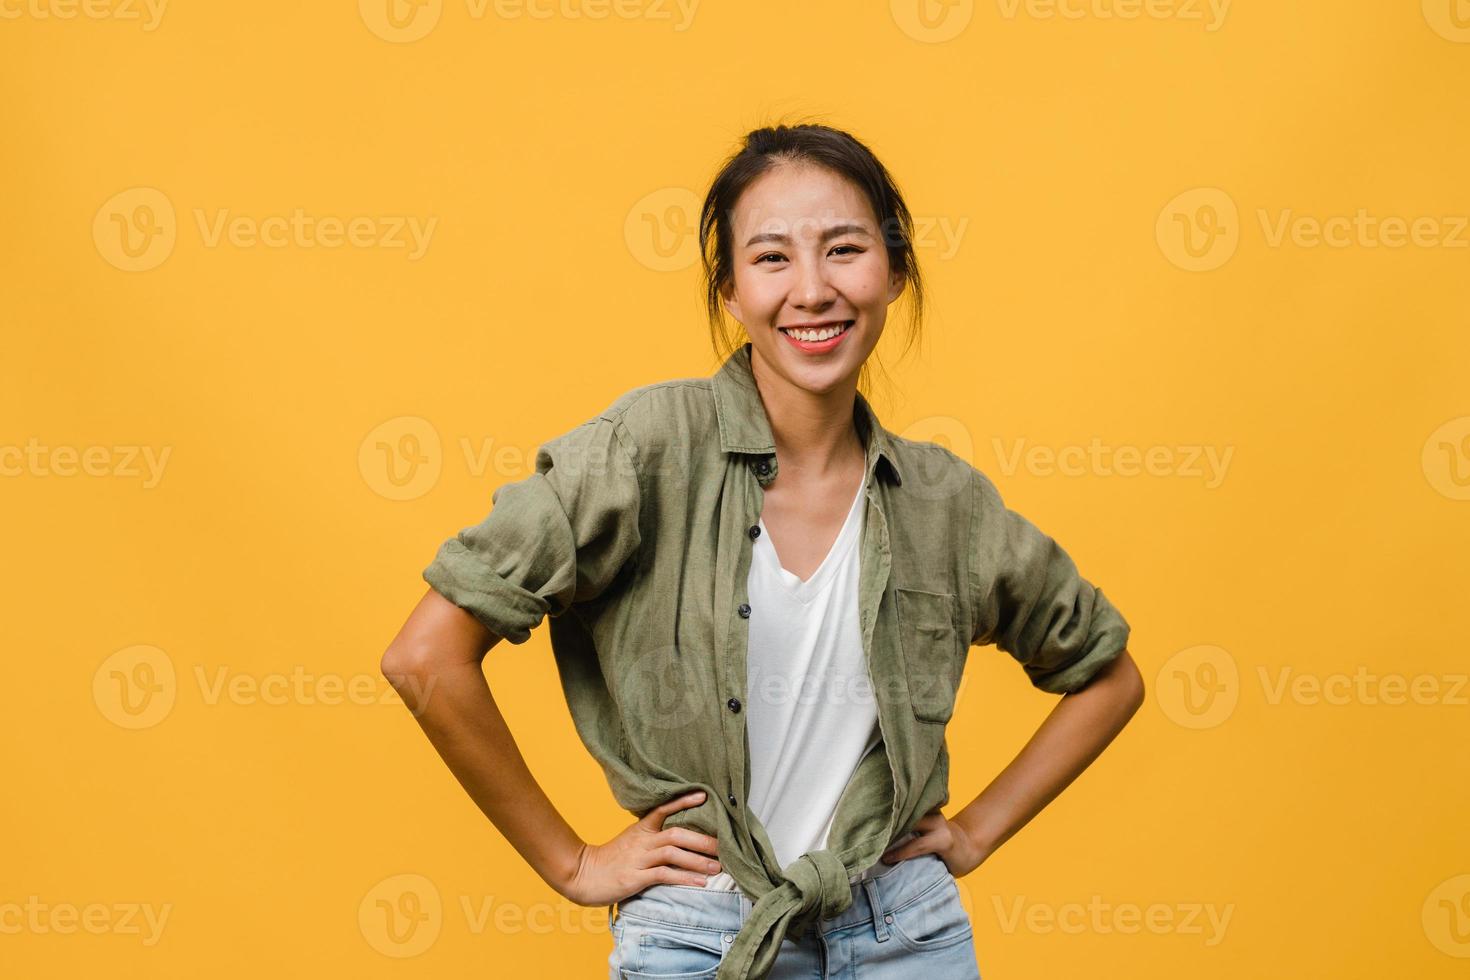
x: 642, y: 855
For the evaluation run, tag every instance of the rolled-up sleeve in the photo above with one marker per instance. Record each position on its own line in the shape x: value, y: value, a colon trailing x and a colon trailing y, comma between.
x: 1029, y: 599
x: 557, y: 537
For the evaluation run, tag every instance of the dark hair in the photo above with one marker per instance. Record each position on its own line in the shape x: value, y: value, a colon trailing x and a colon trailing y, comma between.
x: 818, y: 145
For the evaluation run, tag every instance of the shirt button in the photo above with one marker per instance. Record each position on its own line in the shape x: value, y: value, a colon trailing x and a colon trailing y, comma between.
x: 733, y: 704
x: 744, y: 610
x: 763, y: 467
x: 754, y: 532
x: 731, y: 798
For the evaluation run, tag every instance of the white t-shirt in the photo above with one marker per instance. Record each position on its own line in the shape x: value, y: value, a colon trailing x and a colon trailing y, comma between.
x: 810, y: 711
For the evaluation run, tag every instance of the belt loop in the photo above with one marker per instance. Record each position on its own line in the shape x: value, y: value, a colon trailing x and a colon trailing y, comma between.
x: 610, y: 916
x: 880, y: 919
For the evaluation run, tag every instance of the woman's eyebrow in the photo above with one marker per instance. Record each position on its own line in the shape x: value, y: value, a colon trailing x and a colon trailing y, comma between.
x: 832, y: 232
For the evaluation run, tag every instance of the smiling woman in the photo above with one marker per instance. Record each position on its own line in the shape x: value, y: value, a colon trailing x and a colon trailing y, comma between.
x: 726, y: 540
x: 808, y: 209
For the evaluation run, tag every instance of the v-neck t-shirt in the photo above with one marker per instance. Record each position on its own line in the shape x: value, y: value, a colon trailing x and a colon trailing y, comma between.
x: 811, y: 712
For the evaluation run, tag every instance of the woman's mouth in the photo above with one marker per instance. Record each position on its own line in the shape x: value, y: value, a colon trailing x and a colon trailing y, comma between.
x: 817, y: 340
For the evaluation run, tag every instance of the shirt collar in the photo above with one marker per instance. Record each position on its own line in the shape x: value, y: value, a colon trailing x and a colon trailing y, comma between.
x: 745, y: 427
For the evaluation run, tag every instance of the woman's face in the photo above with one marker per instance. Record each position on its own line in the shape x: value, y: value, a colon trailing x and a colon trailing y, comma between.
x: 808, y: 251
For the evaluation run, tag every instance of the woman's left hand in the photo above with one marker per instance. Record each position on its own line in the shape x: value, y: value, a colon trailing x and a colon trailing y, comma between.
x: 938, y: 835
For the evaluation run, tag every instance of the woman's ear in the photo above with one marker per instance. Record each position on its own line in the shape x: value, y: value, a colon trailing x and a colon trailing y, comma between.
x: 732, y: 302
x: 896, y: 282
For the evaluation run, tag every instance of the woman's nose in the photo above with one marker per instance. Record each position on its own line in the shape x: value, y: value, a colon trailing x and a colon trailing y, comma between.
x: 812, y: 286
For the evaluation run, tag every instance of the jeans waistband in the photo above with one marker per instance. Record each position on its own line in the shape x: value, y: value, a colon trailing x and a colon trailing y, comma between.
x: 885, y: 889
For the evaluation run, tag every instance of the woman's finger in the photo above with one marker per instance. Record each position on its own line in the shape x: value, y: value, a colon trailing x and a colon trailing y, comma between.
x: 657, y: 814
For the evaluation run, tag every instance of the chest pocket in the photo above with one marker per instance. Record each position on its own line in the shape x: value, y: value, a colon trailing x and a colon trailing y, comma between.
x: 931, y: 654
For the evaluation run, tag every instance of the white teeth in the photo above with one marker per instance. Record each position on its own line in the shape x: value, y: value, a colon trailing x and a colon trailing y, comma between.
x: 821, y: 333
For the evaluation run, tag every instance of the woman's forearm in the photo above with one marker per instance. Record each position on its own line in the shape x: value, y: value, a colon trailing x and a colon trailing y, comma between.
x: 1068, y: 740
x: 445, y: 689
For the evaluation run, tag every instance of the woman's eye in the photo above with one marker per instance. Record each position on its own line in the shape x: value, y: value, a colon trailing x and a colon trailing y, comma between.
x: 851, y: 248
x: 768, y: 255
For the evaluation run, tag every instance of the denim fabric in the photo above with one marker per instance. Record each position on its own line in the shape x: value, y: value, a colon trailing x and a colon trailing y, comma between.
x: 634, y: 536
x: 905, y: 921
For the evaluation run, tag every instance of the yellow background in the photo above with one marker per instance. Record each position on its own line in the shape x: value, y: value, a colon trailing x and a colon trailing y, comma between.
x: 276, y: 823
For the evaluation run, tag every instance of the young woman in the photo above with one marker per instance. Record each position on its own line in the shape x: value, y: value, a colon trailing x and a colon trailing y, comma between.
x: 760, y: 605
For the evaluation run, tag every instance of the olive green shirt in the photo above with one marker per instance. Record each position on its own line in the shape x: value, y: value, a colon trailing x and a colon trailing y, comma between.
x: 634, y: 535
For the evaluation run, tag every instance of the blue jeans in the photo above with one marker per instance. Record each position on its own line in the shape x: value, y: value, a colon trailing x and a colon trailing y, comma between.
x: 905, y: 921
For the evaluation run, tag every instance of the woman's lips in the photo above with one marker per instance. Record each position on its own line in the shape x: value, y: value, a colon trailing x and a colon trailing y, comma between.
x: 818, y: 346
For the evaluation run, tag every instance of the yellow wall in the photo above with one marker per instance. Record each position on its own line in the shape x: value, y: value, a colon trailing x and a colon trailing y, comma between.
x: 1228, y: 242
